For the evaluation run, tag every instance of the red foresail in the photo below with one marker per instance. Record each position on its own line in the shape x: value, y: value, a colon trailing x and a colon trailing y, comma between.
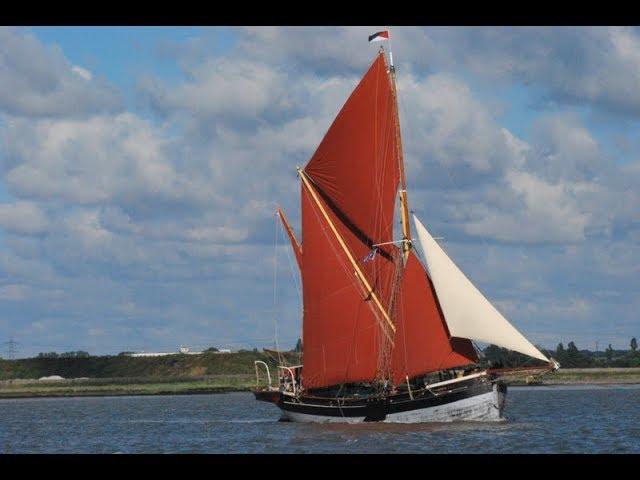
x: 354, y: 173
x: 422, y: 341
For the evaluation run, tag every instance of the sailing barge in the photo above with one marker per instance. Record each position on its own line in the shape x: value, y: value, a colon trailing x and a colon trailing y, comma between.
x: 384, y: 338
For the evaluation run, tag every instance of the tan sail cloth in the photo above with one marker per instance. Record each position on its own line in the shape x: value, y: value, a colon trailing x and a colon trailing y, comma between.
x: 467, y: 312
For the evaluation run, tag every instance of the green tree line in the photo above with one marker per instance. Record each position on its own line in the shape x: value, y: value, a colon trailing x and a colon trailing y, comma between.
x: 81, y: 364
x: 568, y: 357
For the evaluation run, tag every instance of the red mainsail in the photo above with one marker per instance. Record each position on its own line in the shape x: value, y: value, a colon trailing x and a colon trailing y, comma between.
x: 341, y: 332
x: 355, y: 175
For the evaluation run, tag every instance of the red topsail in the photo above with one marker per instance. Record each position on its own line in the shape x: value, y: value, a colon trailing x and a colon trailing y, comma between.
x: 355, y: 166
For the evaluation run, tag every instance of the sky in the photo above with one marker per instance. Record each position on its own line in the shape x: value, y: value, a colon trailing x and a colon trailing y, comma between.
x: 140, y: 169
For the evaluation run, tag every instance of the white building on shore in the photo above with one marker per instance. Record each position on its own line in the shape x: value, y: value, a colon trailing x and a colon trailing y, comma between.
x: 181, y: 350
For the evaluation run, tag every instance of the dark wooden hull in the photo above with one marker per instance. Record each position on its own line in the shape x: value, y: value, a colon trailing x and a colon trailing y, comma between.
x: 473, y: 399
x: 271, y: 396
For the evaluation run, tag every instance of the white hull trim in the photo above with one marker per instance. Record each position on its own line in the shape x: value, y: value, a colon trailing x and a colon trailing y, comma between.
x: 484, y: 408
x: 307, y: 418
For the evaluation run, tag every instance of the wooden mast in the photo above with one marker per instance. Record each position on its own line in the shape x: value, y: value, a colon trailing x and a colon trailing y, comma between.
x: 358, y: 272
x: 404, y: 206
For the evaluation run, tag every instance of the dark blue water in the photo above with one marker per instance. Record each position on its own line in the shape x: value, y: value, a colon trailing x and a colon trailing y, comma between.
x: 586, y: 419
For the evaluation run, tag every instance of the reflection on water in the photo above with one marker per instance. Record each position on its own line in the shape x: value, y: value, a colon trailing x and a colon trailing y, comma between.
x: 542, y: 419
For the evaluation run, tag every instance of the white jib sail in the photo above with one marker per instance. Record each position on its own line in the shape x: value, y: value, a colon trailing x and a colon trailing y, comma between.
x: 467, y: 312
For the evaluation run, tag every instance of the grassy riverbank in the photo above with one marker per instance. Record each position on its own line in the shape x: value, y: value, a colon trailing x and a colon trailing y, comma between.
x: 125, y: 375
x: 581, y: 376
x: 244, y: 382
x: 123, y: 366
x: 124, y: 386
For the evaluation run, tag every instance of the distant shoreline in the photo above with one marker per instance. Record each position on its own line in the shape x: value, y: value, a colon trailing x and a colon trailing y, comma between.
x: 20, y: 395
x: 565, y: 384
x: 583, y: 376
x: 102, y: 387
x: 216, y: 384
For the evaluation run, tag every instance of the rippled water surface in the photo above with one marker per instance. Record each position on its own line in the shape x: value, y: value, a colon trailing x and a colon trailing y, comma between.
x: 585, y: 419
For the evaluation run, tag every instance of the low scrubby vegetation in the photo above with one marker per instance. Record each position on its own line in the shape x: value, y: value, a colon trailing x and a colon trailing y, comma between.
x: 124, y: 366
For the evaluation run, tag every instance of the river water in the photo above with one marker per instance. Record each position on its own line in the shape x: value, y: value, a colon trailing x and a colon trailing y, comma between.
x: 563, y: 419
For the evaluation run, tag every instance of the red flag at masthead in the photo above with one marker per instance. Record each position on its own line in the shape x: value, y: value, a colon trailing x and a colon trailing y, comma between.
x: 379, y: 36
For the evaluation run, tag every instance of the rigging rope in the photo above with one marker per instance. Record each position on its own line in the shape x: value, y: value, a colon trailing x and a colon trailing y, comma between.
x: 275, y: 288
x: 293, y: 274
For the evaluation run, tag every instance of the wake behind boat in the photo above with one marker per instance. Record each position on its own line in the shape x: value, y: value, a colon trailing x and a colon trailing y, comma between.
x: 384, y: 338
